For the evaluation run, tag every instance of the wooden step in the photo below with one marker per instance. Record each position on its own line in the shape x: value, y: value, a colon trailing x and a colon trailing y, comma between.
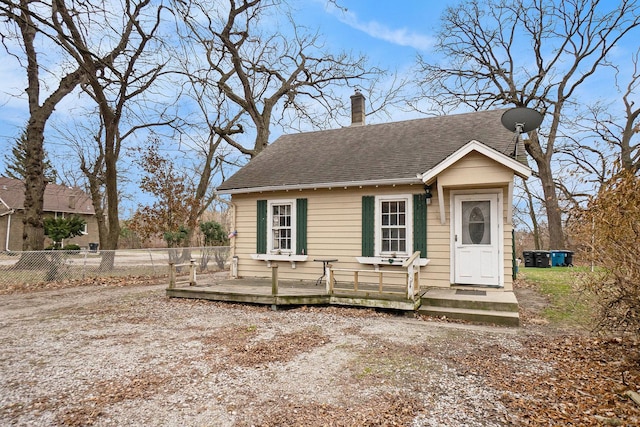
x: 505, y: 318
x: 479, y: 300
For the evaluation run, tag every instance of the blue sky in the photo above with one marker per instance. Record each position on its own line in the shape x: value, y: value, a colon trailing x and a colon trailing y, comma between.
x: 389, y: 33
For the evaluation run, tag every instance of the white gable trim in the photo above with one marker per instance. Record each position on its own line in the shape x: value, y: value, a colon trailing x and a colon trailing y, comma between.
x: 518, y: 168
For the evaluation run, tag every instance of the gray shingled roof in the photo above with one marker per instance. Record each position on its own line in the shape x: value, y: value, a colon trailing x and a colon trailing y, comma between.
x: 379, y: 152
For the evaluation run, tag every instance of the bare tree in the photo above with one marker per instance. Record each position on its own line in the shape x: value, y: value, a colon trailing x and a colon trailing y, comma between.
x: 241, y: 80
x: 533, y: 53
x: 204, y: 133
x: 263, y: 73
x: 604, y: 142
x: 26, y: 22
x: 87, y: 38
x: 112, y: 86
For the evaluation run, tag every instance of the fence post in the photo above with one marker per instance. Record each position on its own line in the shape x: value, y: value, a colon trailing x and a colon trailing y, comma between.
x: 172, y: 275
x: 192, y: 272
x: 84, y: 264
x: 153, y: 267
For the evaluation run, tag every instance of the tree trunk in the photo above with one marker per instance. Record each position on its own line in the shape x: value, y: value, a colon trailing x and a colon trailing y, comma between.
x: 537, y: 241
x: 110, y: 240
x: 552, y: 207
x: 33, y: 228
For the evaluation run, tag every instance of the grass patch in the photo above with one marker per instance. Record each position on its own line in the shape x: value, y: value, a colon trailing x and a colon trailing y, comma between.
x: 571, y: 306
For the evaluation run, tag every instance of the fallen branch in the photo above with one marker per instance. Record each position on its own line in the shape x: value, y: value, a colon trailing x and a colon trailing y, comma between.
x: 633, y: 396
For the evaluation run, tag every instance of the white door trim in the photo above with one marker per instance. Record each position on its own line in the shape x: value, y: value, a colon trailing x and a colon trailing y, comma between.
x: 499, y: 229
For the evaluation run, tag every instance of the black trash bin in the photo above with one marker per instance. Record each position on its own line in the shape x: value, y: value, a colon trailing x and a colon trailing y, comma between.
x: 529, y: 258
x: 568, y: 258
x: 93, y: 247
x: 543, y: 259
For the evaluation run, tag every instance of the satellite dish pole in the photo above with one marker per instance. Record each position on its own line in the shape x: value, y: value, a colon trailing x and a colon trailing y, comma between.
x: 521, y: 120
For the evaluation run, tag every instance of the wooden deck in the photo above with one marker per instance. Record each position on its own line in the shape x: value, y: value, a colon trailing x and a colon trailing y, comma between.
x: 291, y: 293
x: 475, y: 305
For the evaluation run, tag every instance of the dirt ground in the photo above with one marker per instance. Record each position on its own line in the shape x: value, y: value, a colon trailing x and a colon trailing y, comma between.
x: 114, y: 354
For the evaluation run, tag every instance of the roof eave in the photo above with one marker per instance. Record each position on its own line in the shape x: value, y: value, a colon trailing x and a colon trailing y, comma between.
x: 324, y: 185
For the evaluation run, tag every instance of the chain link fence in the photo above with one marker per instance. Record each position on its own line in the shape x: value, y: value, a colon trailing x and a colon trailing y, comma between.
x: 48, y: 266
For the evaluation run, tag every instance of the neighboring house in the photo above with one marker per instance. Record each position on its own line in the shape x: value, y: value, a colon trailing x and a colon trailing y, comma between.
x: 370, y: 195
x: 59, y: 201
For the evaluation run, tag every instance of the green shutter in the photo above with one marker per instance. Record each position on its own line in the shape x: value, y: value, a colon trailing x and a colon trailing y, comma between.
x: 301, y: 226
x: 420, y: 224
x: 368, y: 225
x: 514, y: 262
x: 261, y: 239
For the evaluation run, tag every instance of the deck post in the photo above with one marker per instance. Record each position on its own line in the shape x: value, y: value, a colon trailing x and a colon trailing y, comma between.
x: 192, y: 272
x: 274, y: 285
x: 274, y: 279
x: 172, y: 275
x: 413, y: 274
x: 330, y: 279
x: 234, y: 267
x: 355, y: 280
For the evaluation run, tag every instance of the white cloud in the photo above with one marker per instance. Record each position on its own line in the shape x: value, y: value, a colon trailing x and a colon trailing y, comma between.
x: 400, y: 36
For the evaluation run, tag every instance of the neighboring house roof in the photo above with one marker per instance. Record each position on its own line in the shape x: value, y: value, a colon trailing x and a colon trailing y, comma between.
x: 57, y: 198
x: 397, y: 152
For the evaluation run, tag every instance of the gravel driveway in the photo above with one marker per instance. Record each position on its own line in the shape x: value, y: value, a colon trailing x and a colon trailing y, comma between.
x: 116, y: 356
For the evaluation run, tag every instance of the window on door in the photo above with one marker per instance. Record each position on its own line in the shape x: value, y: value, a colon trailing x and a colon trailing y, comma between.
x: 476, y: 222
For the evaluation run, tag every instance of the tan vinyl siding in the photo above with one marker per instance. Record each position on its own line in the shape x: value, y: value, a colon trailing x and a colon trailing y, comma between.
x: 475, y: 170
x: 438, y: 244
x: 333, y: 230
x: 508, y: 241
x: 334, y: 227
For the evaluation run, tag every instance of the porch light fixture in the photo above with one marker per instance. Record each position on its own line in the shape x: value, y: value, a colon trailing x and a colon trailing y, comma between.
x: 427, y: 194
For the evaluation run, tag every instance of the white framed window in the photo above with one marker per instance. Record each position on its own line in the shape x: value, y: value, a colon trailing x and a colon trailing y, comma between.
x: 281, y: 226
x: 394, y: 225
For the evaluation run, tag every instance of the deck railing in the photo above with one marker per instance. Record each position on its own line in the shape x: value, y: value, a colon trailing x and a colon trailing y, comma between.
x: 411, y: 279
x: 173, y: 268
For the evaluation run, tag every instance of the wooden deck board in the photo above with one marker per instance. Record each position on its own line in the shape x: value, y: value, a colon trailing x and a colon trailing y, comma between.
x: 258, y: 291
x: 491, y: 307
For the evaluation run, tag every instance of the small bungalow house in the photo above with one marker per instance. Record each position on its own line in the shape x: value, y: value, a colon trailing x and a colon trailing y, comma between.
x: 370, y: 196
x: 59, y: 201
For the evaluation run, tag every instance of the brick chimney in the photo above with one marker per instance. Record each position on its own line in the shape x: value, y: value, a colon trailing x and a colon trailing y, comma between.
x: 357, y: 109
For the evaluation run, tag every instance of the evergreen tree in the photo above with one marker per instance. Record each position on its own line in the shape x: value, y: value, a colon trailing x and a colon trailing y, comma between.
x: 16, y: 161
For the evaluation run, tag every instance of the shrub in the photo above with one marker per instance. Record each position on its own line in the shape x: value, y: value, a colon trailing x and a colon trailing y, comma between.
x: 608, y: 231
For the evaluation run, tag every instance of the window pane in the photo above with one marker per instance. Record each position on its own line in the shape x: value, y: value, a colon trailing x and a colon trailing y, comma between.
x: 476, y: 222
x: 281, y: 227
x: 393, y: 221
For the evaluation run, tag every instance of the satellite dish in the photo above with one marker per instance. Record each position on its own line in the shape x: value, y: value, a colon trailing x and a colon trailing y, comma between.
x: 521, y: 119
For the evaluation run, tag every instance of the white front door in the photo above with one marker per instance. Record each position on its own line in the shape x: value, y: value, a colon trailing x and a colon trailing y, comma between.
x: 477, y: 243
